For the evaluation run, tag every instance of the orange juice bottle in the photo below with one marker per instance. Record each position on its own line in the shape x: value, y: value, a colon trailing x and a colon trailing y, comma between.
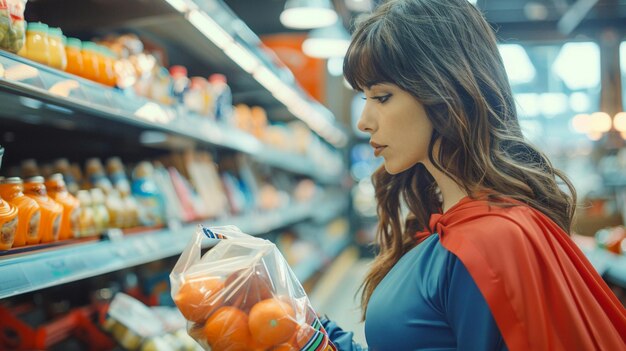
x: 107, y: 67
x: 58, y: 57
x: 58, y: 191
x: 91, y: 67
x: 28, y: 212
x: 74, y: 57
x: 51, y: 211
x: 8, y: 224
x: 37, y: 47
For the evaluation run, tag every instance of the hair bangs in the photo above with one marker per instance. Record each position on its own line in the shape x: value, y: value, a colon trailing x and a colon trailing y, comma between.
x: 364, y: 63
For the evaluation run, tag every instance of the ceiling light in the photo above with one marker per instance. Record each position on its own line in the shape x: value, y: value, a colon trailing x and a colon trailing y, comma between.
x: 576, y: 76
x: 327, y: 42
x: 207, y: 26
x: 517, y: 64
x: 308, y: 14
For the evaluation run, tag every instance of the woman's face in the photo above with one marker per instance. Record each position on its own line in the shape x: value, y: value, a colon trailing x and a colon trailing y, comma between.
x: 398, y: 126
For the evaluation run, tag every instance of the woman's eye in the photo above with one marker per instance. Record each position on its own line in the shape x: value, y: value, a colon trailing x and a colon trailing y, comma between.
x: 382, y: 99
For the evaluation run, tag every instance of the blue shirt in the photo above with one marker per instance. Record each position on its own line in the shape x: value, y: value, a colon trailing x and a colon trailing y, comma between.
x: 427, y: 301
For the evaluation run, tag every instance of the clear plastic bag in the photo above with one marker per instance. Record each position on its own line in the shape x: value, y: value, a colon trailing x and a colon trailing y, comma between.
x: 12, y: 25
x: 242, y: 295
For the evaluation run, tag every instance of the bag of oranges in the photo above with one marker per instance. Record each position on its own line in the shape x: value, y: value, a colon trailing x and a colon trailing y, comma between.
x: 242, y: 295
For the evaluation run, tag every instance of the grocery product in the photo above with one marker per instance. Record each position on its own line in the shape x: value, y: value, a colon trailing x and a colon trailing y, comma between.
x: 91, y: 66
x: 261, y: 305
x: 106, y: 67
x: 51, y: 211
x: 180, y: 83
x: 12, y: 25
x: 86, y: 215
x: 56, y: 50
x: 8, y: 224
x: 223, y: 107
x: 75, y: 63
x: 100, y: 212
x: 148, y: 196
x: 37, y: 45
x: 58, y: 192
x: 96, y: 175
x: 29, y: 214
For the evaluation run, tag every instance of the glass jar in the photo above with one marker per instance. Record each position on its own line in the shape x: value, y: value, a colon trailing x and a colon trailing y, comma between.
x: 74, y: 57
x: 58, y: 57
x: 37, y: 46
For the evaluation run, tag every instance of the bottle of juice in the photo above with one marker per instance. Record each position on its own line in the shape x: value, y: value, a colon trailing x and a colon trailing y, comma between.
x: 86, y: 216
x: 29, y: 214
x: 223, y: 106
x: 109, y: 59
x: 74, y: 57
x: 58, y: 192
x: 91, y: 67
x: 96, y: 176
x: 8, y: 224
x: 100, y: 211
x: 37, y: 47
x: 62, y: 166
x: 51, y: 211
x: 148, y: 196
x: 30, y: 168
x: 180, y: 83
x: 58, y: 57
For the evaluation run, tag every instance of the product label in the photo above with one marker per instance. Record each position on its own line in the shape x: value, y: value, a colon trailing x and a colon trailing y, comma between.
x: 33, y: 225
x: 7, y: 232
x: 56, y: 226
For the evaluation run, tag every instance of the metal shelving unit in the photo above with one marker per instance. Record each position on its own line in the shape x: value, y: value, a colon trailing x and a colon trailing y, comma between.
x: 69, y: 263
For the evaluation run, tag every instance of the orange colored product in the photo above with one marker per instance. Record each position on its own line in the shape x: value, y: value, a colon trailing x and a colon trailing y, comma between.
x: 74, y: 57
x: 107, y: 67
x: 272, y: 322
x: 36, y: 46
x: 8, y: 224
x: 227, y: 330
x: 285, y: 347
x: 57, y: 55
x: 28, y: 212
x: 197, y: 298
x: 51, y: 211
x: 248, y: 287
x: 58, y: 192
x: 91, y: 66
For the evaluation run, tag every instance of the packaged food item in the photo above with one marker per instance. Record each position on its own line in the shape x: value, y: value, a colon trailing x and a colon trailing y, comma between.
x: 63, y: 166
x: 195, y: 98
x: 37, y: 46
x: 258, y: 121
x: 100, y: 212
x: 180, y: 83
x: 97, y: 176
x: 12, y: 25
x: 115, y: 207
x: 91, y: 65
x: 8, y: 224
x: 105, y: 66
x: 58, y: 57
x: 148, y: 196
x: 86, y: 215
x: 159, y: 90
x: 29, y: 214
x: 58, y: 192
x: 30, y: 168
x: 75, y: 64
x: 51, y: 211
x: 223, y: 108
x: 242, y: 295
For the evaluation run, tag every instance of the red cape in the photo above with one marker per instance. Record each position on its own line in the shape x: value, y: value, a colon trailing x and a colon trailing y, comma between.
x: 542, y: 291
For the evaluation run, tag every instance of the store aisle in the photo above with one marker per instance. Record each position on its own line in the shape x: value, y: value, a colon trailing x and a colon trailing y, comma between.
x: 334, y: 295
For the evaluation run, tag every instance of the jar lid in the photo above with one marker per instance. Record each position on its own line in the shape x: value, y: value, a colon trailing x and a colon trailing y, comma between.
x: 75, y: 43
x: 11, y: 180
x: 55, y: 32
x: 35, y: 179
x: 90, y: 45
x: 37, y: 27
x: 56, y: 177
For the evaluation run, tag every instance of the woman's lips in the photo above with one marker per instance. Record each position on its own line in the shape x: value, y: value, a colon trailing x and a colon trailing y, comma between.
x: 377, y: 148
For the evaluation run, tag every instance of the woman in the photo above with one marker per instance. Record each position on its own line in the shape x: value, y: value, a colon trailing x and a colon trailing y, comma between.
x: 494, y: 268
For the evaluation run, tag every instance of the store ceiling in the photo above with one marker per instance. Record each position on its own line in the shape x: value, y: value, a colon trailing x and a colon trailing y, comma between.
x: 536, y: 20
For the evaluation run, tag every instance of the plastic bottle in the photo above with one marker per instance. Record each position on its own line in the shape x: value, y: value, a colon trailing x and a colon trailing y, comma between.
x: 75, y: 63
x: 28, y: 211
x: 8, y: 224
x: 58, y: 57
x: 127, y: 212
x: 30, y: 168
x: 62, y: 166
x: 223, y: 108
x: 51, y: 211
x: 59, y: 193
x: 180, y: 83
x: 100, y: 211
x: 36, y: 46
x: 195, y: 99
x: 86, y: 216
x: 91, y: 67
x: 148, y: 196
x: 96, y: 176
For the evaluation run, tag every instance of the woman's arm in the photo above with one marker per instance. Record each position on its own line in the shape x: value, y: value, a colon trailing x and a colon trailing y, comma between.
x: 342, y: 339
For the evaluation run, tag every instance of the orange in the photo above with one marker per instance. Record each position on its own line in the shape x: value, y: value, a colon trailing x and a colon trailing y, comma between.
x: 197, y: 298
x: 227, y: 330
x: 248, y: 287
x: 272, y: 322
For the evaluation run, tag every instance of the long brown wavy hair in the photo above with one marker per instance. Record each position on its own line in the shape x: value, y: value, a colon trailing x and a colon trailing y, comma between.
x: 444, y: 53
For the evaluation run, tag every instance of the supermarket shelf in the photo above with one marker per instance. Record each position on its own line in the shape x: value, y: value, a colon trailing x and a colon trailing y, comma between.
x: 40, y: 270
x: 207, y: 34
x: 39, y: 90
x: 313, y: 264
